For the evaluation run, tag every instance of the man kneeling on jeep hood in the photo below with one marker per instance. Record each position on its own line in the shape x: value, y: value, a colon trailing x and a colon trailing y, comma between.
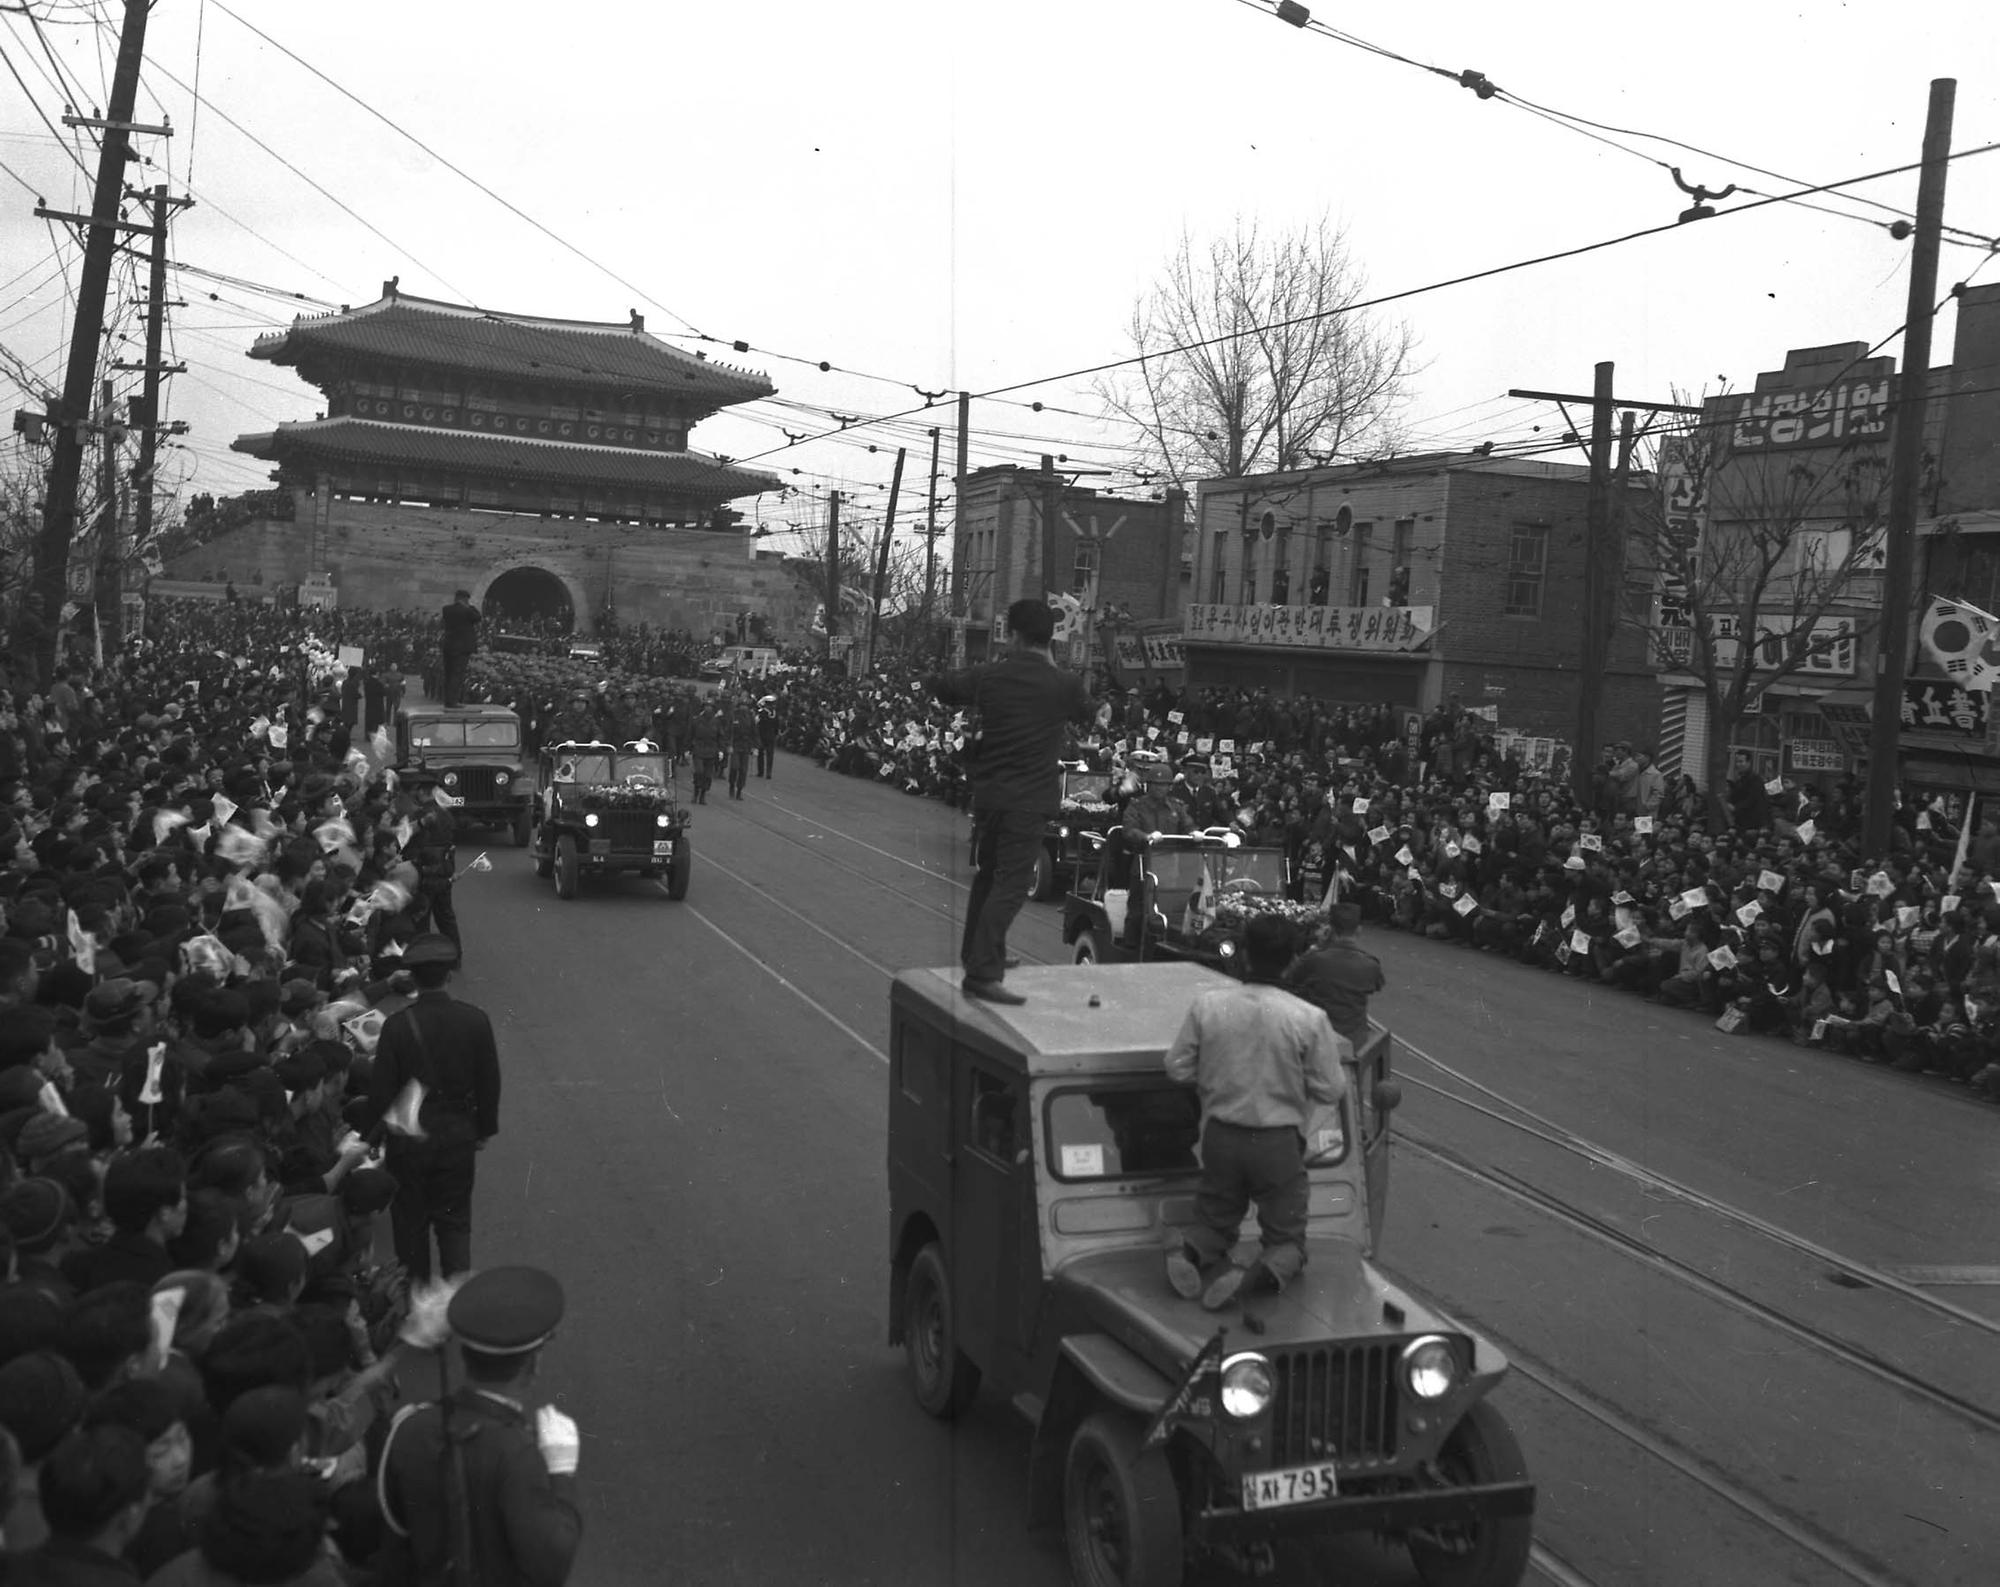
x: 1261, y: 1058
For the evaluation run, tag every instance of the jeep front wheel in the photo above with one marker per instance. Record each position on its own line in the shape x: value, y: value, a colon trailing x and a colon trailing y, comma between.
x: 1042, y: 884
x: 1491, y: 1551
x: 1121, y: 1511
x: 944, y: 1380
x: 567, y: 866
x: 1087, y: 951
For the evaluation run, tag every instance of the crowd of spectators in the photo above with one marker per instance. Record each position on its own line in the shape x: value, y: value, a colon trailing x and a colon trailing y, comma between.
x: 204, y: 894
x: 1761, y: 911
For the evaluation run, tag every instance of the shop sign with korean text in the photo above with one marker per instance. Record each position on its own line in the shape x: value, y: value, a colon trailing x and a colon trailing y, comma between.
x: 1377, y: 628
x: 1828, y: 653
x: 1944, y: 709
x: 1776, y: 421
x: 1816, y: 754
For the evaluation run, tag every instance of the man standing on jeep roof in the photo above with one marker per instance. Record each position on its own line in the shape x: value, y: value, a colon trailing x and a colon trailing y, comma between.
x: 460, y: 639
x: 1022, y: 703
x: 1260, y: 1057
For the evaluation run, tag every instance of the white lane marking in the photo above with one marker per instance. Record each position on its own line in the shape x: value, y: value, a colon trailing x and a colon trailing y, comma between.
x: 802, y: 995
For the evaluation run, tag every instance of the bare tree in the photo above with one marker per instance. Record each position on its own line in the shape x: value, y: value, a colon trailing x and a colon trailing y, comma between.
x: 1768, y: 567
x: 1253, y: 359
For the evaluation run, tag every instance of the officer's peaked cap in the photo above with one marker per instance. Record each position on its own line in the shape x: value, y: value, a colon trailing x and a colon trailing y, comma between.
x: 506, y: 1311
x: 430, y: 947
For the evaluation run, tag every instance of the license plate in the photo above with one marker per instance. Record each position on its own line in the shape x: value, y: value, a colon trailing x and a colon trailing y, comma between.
x: 600, y: 845
x: 1273, y: 1490
x: 663, y: 848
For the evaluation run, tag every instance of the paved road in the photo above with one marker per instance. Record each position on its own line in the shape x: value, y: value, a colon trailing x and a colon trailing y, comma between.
x: 1698, y: 1248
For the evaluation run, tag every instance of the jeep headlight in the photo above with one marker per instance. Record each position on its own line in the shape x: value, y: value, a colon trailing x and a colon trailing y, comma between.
x: 1246, y: 1386
x: 1062, y: 832
x: 501, y: 779
x: 450, y: 779
x: 1227, y: 950
x: 590, y: 819
x: 662, y: 820
x: 1430, y: 1367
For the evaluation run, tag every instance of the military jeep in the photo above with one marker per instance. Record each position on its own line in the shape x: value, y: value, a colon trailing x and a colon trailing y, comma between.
x: 1038, y: 1158
x: 601, y: 809
x: 475, y: 752
x: 1190, y: 897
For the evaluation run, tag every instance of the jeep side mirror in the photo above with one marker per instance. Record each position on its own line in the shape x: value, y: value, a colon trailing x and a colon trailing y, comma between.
x: 1388, y: 1096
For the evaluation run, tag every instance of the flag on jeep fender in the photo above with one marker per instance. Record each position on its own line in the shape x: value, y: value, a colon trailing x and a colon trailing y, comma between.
x: 1206, y: 1361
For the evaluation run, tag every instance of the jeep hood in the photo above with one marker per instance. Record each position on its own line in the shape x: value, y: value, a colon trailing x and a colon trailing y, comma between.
x: 1339, y: 1296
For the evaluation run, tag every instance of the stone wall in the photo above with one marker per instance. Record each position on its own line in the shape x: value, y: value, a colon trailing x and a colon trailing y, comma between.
x: 392, y: 558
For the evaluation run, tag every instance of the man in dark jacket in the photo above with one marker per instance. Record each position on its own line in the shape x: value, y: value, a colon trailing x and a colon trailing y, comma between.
x: 1022, y: 703
x: 459, y: 640
x: 436, y: 1088
x: 1341, y: 976
x: 1749, y: 801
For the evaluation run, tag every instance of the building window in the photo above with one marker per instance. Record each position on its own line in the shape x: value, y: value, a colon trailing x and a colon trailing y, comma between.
x: 1322, y: 582
x: 1526, y: 564
x: 1218, y: 576
x: 1364, y: 546
x: 1246, y: 574
x: 1281, y: 569
x: 1083, y: 575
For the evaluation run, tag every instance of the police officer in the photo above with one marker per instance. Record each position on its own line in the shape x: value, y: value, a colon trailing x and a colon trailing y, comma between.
x: 482, y: 1487
x: 705, y: 741
x: 432, y: 848
x: 446, y: 1048
x: 742, y: 738
x: 767, y: 734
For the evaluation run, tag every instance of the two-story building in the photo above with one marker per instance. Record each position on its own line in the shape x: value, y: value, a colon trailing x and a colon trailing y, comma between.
x: 1412, y: 582
x: 1032, y: 533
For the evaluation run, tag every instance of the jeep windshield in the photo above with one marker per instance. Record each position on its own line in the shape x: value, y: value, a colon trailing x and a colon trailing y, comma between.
x: 1141, y: 1129
x: 1127, y: 1130
x: 642, y: 771
x: 465, y: 735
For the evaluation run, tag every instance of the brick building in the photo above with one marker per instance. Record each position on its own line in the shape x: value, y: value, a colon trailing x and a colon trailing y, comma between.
x: 1028, y: 532
x: 1836, y: 404
x: 543, y: 464
x: 1413, y: 582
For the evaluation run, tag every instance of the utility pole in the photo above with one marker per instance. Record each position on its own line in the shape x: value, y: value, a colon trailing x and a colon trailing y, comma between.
x: 1051, y: 508
x: 42, y: 615
x: 1906, y: 460
x: 832, y: 569
x: 106, y: 586
x: 962, y: 614
x: 882, y: 553
x: 930, y: 539
x: 149, y: 401
x: 1603, y: 554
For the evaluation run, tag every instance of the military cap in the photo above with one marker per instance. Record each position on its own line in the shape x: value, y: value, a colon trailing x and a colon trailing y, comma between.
x: 506, y: 1311
x: 430, y: 947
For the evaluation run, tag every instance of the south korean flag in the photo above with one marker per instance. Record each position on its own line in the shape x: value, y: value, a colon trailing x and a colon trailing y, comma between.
x: 1963, y: 640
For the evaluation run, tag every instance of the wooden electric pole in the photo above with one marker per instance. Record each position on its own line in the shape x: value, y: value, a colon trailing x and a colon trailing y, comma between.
x: 882, y: 554
x: 832, y: 569
x: 1906, y: 461
x: 42, y: 614
x: 106, y: 587
x: 930, y: 542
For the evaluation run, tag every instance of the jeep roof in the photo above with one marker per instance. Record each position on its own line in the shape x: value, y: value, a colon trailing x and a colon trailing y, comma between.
x: 1136, y: 1014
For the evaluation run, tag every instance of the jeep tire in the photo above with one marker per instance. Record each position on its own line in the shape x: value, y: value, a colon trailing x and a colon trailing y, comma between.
x: 1493, y: 1550
x: 568, y: 864
x: 544, y: 860
x: 943, y: 1380
x: 1042, y: 884
x: 1121, y: 1510
x: 1088, y: 950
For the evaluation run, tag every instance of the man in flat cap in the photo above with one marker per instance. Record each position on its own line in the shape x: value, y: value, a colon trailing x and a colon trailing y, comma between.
x: 436, y: 1090
x: 501, y: 1508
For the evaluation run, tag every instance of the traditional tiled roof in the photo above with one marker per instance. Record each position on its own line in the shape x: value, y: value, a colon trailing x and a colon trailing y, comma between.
x: 418, y: 331
x: 370, y: 443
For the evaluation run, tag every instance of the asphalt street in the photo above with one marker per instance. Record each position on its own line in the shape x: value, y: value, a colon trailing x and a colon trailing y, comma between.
x: 1732, y: 1274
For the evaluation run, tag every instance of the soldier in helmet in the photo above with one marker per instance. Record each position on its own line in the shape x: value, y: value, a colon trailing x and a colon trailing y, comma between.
x: 481, y: 1487
x: 576, y: 722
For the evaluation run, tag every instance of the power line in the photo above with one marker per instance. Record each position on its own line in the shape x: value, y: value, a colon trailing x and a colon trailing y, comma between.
x: 1412, y: 292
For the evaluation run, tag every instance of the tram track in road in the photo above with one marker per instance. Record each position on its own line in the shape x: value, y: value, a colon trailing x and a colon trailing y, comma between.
x: 1542, y: 1128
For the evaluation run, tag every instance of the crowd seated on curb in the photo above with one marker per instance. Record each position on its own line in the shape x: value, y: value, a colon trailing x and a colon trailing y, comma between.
x: 207, y: 879
x: 1766, y: 917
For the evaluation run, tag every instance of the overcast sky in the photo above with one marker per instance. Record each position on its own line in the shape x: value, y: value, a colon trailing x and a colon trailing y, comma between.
x: 971, y: 196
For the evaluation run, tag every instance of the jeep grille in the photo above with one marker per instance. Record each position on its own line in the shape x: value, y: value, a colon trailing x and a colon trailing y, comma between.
x: 628, y: 829
x: 475, y: 785
x: 1339, y: 1400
